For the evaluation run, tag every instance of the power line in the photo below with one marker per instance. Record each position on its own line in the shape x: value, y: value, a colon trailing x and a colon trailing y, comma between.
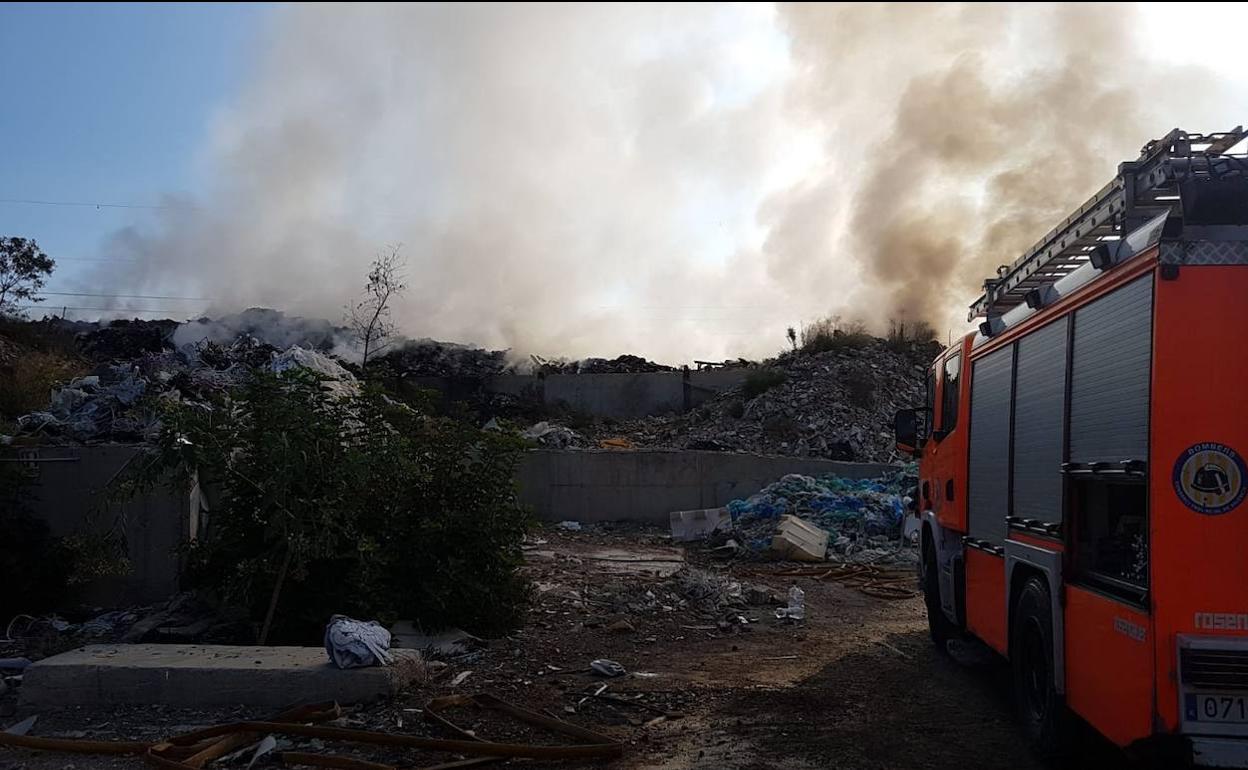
x: 120, y: 296
x: 89, y: 204
x: 126, y: 310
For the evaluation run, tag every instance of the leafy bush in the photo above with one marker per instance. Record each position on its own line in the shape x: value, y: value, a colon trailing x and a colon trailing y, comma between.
x: 760, y: 381
x: 356, y: 505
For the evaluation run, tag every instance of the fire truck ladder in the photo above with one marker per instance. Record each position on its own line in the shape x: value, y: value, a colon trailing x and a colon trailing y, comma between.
x: 1142, y: 189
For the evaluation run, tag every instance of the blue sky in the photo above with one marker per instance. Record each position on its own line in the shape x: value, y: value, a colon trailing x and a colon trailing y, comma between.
x: 109, y: 104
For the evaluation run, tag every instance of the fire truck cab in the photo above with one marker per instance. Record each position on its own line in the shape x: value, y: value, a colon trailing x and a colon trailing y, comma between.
x: 1082, y: 473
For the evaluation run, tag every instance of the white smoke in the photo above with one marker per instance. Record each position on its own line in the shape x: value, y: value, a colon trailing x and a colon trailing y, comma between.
x: 673, y: 181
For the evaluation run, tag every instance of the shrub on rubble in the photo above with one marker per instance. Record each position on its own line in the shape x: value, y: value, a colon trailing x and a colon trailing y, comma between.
x: 827, y: 334
x: 356, y: 505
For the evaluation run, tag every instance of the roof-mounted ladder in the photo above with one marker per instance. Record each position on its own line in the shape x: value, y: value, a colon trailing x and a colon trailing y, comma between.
x: 1142, y: 189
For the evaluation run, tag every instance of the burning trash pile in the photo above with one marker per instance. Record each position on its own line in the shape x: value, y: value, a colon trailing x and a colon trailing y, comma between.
x: 119, y: 402
x: 837, y: 405
x: 864, y: 518
x: 428, y: 358
x: 625, y: 364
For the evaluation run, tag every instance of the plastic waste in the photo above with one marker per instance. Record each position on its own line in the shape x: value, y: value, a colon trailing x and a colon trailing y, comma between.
x: 355, y: 644
x: 797, y: 605
x: 607, y: 668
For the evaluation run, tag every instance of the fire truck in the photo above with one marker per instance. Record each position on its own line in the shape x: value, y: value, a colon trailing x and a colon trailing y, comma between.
x: 1082, y: 475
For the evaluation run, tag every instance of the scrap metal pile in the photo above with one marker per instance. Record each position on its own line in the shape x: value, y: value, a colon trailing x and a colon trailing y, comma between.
x: 837, y: 405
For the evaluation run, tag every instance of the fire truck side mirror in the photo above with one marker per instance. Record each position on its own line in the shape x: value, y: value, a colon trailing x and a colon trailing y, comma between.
x: 906, y: 430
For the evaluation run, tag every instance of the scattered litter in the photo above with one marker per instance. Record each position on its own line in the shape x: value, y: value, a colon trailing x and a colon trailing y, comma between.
x: 782, y: 657
x: 23, y: 727
x: 571, y: 526
x: 698, y: 524
x: 796, y: 609
x: 460, y: 677
x: 453, y: 643
x: 264, y: 747
x: 871, y: 579
x: 607, y: 668
x: 555, y: 436
x: 356, y: 644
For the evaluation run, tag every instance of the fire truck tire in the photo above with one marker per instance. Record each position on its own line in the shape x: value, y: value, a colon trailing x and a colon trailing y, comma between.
x: 1041, y: 709
x: 938, y: 624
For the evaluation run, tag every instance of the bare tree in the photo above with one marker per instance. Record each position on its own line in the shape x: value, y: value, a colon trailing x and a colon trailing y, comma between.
x: 369, y: 319
x: 23, y: 271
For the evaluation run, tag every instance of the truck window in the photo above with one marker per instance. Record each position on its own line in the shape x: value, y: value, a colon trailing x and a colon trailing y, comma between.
x: 1111, y: 537
x: 949, y: 393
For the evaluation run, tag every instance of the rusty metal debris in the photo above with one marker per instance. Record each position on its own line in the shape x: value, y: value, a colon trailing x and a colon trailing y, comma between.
x: 192, y: 751
x: 870, y: 579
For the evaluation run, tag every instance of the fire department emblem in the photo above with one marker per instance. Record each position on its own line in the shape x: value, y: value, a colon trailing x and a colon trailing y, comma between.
x: 1209, y: 478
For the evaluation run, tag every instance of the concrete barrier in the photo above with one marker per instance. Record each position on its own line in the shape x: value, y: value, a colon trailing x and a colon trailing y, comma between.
x: 604, y: 395
x: 647, y: 485
x: 70, y: 493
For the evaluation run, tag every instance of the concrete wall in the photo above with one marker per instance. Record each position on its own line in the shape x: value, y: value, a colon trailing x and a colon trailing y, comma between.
x: 647, y: 485
x: 604, y: 395
x: 69, y: 494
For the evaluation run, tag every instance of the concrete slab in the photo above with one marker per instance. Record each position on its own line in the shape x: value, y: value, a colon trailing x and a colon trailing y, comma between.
x: 193, y: 675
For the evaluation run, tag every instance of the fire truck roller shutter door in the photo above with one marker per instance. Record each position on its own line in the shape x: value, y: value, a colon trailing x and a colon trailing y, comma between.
x: 1039, y: 411
x: 1109, y: 379
x: 988, y: 480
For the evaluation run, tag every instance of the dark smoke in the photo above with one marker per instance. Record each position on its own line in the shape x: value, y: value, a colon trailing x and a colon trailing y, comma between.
x: 672, y: 181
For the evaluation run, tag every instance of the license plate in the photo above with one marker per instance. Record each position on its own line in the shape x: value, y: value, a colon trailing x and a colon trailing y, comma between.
x: 1214, y: 707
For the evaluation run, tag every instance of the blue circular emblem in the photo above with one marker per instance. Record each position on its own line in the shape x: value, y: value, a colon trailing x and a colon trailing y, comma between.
x: 1209, y: 478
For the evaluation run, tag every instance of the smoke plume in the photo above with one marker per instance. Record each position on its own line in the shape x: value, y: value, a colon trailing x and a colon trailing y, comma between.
x: 675, y: 181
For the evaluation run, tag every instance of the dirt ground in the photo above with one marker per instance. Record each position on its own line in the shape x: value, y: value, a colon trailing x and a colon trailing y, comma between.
x: 857, y: 684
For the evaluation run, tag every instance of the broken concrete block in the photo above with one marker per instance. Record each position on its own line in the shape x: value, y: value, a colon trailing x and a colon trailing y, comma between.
x: 698, y: 524
x: 195, y: 676
x: 797, y: 540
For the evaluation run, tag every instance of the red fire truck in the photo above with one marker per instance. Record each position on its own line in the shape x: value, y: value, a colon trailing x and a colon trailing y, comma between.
x: 1081, y: 462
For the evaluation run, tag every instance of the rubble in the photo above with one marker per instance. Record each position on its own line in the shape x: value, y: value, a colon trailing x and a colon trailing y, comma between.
x: 555, y: 436
x: 429, y: 358
x: 837, y: 405
x: 625, y: 364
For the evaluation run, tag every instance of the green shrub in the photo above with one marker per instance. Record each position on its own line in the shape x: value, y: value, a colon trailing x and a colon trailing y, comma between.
x: 761, y: 380
x: 861, y: 389
x: 358, y: 505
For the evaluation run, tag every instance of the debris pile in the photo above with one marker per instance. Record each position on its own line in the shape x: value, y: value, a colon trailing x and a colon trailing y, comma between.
x: 863, y: 517
x: 555, y: 436
x: 428, y: 358
x: 625, y: 364
x: 118, y: 401
x: 837, y: 405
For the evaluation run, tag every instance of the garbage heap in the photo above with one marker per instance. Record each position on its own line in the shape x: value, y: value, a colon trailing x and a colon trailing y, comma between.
x: 864, y: 518
x: 120, y: 401
x: 836, y: 405
x: 430, y: 358
x: 625, y: 364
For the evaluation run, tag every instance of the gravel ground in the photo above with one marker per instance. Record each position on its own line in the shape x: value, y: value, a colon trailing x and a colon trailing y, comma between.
x: 856, y: 685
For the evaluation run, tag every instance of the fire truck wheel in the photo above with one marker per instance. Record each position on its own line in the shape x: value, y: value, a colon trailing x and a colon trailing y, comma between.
x: 1041, y: 709
x: 938, y: 624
